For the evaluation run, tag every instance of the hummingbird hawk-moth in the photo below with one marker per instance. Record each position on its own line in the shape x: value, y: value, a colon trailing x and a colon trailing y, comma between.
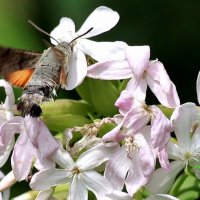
x: 40, y: 75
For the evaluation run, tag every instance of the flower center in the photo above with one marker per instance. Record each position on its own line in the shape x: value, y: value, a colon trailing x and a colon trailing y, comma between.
x: 76, y: 170
x: 148, y: 110
x: 187, y: 156
x: 132, y: 144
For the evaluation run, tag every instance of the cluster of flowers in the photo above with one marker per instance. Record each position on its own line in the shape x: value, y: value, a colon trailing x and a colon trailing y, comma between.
x: 130, y: 151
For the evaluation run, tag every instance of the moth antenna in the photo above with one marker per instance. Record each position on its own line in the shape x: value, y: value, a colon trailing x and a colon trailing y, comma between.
x: 42, y: 31
x: 81, y: 35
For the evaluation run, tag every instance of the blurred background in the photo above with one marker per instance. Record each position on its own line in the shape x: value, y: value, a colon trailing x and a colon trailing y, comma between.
x: 171, y: 28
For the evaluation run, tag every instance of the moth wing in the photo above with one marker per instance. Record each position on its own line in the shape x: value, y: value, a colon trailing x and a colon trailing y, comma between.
x: 17, y: 66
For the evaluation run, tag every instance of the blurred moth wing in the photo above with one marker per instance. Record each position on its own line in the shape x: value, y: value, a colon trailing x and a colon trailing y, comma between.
x: 39, y: 74
x: 17, y: 66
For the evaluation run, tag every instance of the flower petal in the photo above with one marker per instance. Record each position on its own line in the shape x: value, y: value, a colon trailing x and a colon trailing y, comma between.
x: 63, y: 158
x: 7, y: 182
x: 163, y: 159
x: 116, y: 169
x: 96, y: 156
x: 103, y: 51
x: 174, y: 151
x: 43, y: 163
x: 164, y: 179
x: 141, y: 167
x: 195, y: 140
x: 161, y: 197
x: 182, y: 120
x: 198, y: 87
x: 4, y: 156
x: 138, y: 58
x: 45, y: 179
x: 32, y: 129
x: 10, y: 98
x: 45, y: 137
x: 137, y: 87
x: 115, y: 134
x: 135, y: 178
x: 65, y: 31
x: 124, y: 102
x: 8, y: 130
x: 136, y: 118
x: 96, y: 183
x: 44, y: 195
x: 77, y: 189
x: 22, y: 157
x: 77, y: 70
x: 145, y: 155
x: 118, y: 195
x: 161, y: 85
x: 110, y: 70
x: 97, y: 19
x: 160, y: 129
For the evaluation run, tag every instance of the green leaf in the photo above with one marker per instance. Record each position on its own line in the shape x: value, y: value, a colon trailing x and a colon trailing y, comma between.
x: 186, y: 187
x: 59, y: 123
x: 84, y: 90
x: 105, y: 129
x: 30, y: 195
x: 66, y: 106
x: 103, y: 95
x: 123, y: 84
x: 167, y: 111
x: 61, y: 191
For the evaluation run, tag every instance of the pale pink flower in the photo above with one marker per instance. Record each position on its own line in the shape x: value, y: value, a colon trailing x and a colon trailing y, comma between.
x: 101, y: 20
x: 132, y: 164
x: 6, y: 114
x: 136, y: 115
x: 6, y: 107
x: 34, y: 144
x: 185, y: 152
x: 142, y: 72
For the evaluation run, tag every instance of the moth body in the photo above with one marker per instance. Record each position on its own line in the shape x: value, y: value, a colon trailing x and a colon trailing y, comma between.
x: 45, y: 80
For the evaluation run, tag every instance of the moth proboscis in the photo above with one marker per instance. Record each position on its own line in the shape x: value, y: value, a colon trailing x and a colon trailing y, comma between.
x: 40, y: 75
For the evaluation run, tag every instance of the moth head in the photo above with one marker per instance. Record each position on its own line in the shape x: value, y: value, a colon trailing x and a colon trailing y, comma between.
x: 63, y: 46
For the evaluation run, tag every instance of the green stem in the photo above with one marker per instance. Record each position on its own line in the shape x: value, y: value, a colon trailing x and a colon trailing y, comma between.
x: 138, y: 195
x: 179, y: 183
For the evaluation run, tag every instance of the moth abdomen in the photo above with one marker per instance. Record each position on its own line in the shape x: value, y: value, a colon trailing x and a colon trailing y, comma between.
x: 32, y: 109
x: 29, y: 104
x: 33, y: 96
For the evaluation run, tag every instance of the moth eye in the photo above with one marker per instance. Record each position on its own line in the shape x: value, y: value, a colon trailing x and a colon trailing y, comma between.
x: 59, y: 53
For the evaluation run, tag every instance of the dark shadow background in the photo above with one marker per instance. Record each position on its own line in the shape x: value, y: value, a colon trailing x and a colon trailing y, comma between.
x: 170, y: 27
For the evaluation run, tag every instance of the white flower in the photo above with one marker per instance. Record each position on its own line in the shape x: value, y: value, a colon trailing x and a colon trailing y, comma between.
x: 6, y: 107
x: 161, y: 197
x: 6, y: 114
x: 101, y: 20
x: 29, y: 147
x: 185, y: 152
x: 132, y: 164
x: 80, y: 174
x: 142, y: 71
